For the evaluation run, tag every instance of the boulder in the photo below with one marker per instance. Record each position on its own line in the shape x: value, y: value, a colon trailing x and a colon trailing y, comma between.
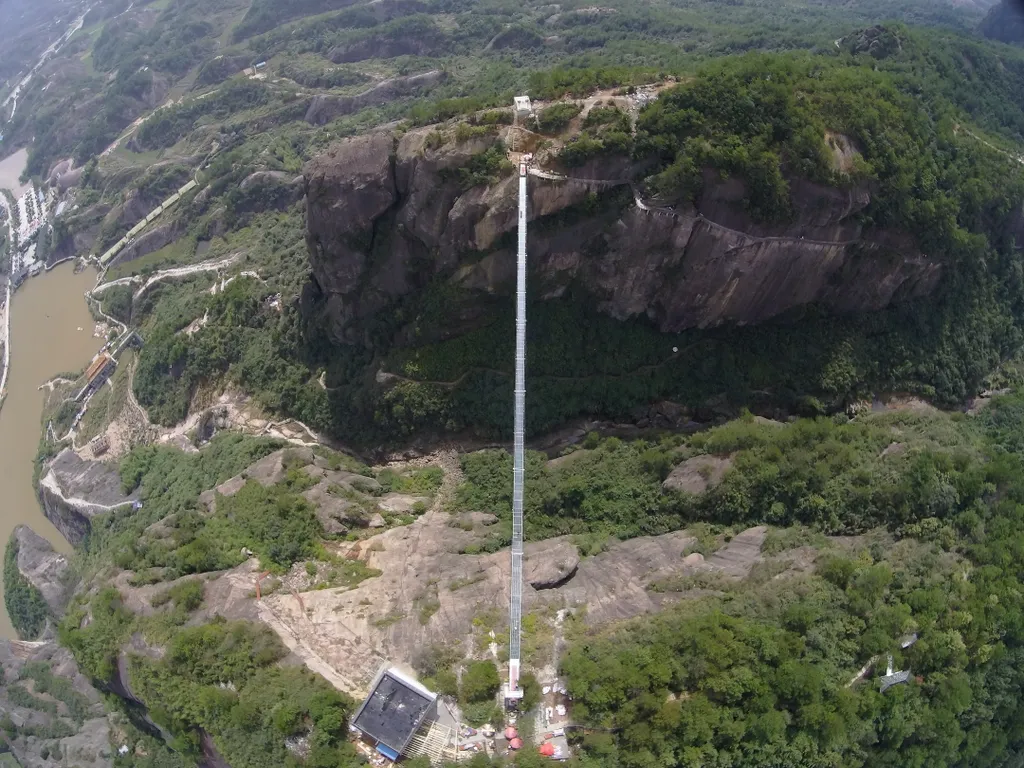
x: 551, y: 563
x: 697, y: 475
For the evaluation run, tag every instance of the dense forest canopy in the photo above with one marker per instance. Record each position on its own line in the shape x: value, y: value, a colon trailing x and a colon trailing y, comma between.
x: 762, y: 676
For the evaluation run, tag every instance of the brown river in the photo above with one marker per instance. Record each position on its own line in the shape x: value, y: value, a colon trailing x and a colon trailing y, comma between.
x: 46, y: 315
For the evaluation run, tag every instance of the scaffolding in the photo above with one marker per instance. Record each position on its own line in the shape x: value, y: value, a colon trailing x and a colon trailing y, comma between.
x: 513, y: 691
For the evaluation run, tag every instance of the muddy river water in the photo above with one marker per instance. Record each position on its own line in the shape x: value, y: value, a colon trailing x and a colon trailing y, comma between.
x: 51, y: 332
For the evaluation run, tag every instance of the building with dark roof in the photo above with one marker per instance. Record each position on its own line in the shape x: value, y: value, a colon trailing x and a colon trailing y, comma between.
x: 393, y: 712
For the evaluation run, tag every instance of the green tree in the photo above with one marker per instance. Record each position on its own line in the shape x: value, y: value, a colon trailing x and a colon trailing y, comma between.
x: 480, y: 682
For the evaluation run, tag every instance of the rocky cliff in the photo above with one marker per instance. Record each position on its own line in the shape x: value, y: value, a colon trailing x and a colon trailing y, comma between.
x: 1005, y: 22
x: 388, y: 214
x: 44, y: 569
x: 73, y: 491
x: 51, y: 713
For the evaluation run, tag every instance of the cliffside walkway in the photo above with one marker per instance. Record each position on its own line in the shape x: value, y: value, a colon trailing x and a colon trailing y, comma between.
x: 666, y: 211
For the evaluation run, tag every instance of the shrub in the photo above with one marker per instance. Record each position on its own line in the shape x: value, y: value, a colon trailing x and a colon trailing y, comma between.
x: 555, y: 118
x: 25, y: 605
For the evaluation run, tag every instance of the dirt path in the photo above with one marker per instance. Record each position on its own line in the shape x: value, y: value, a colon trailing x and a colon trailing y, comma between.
x: 165, y: 274
x: 989, y: 144
x: 47, y: 386
x: 49, y: 482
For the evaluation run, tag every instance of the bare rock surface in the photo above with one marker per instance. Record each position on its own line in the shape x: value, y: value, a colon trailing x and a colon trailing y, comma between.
x: 738, y: 556
x: 72, y: 491
x: 400, y: 503
x: 548, y: 564
x: 89, y: 744
x: 43, y: 568
x: 269, y: 470
x: 698, y: 474
x: 693, y: 266
x: 324, y: 107
x: 336, y: 514
x: 432, y: 593
x: 435, y: 587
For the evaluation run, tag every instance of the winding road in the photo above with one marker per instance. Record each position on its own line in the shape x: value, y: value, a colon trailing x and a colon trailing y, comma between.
x: 165, y: 274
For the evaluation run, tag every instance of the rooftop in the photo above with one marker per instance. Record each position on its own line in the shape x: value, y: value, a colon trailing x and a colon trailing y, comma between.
x: 96, y: 366
x: 394, y: 710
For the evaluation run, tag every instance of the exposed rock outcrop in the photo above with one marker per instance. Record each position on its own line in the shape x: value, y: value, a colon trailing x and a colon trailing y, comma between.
x: 351, y: 632
x: 87, y: 746
x: 423, y: 42
x: 64, y: 174
x: 342, y: 500
x: 269, y: 191
x: 551, y: 563
x: 219, y: 69
x: 1005, y: 22
x: 269, y: 470
x: 72, y: 491
x: 386, y: 215
x: 44, y: 569
x: 152, y: 239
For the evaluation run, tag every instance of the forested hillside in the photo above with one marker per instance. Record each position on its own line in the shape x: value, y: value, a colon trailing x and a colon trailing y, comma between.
x: 763, y: 677
x: 774, y: 246
x: 131, y: 58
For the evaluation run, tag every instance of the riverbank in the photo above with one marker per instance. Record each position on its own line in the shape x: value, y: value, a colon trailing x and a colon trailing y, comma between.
x: 5, y: 339
x: 50, y: 330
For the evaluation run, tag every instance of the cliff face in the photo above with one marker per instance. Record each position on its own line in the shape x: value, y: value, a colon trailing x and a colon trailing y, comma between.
x: 1005, y: 22
x: 83, y: 734
x: 44, y: 569
x: 386, y: 215
x: 73, y: 491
